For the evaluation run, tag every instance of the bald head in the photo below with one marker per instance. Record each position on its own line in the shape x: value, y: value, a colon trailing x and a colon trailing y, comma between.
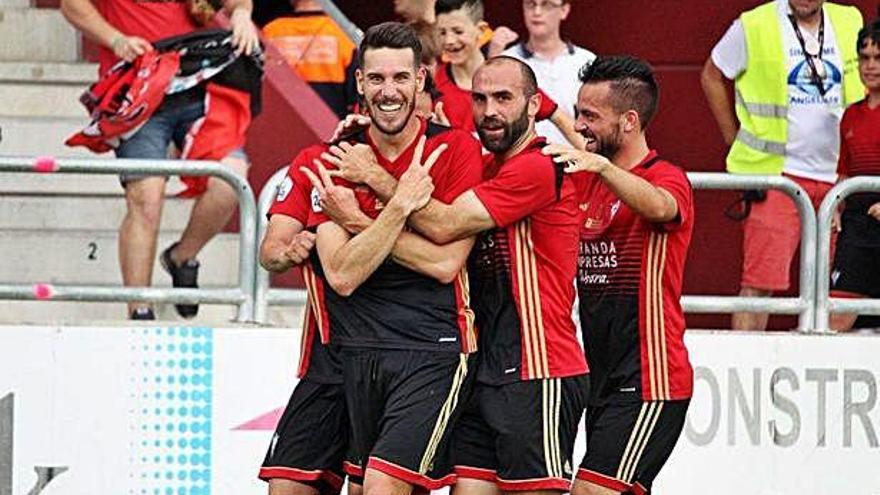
x: 527, y: 76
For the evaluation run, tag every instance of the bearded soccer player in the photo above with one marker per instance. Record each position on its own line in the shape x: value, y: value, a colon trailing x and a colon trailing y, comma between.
x: 518, y: 430
x: 634, y: 241
x: 397, y: 303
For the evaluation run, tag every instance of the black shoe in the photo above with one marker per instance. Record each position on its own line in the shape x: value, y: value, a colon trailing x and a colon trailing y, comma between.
x: 142, y: 314
x: 182, y: 276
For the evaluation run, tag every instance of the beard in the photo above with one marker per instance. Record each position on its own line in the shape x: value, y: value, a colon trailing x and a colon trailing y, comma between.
x: 607, y: 145
x: 397, y: 124
x: 513, y: 132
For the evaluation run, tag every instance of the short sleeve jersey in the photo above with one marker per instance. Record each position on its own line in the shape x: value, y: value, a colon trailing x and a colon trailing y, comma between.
x: 149, y: 19
x: 860, y: 155
x: 630, y: 275
x: 318, y: 361
x: 522, y: 271
x: 398, y: 308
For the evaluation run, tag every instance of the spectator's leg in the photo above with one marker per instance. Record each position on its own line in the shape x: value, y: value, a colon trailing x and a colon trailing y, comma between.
x: 751, y: 321
x: 210, y: 214
x: 139, y: 231
x: 842, y: 322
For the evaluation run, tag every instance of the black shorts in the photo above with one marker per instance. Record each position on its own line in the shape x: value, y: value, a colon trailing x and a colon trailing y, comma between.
x: 311, y: 439
x: 628, y: 441
x: 521, y: 436
x: 403, y: 405
x: 856, y: 267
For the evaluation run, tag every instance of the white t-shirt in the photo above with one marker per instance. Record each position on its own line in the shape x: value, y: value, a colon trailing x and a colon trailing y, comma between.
x: 558, y: 78
x: 813, y: 121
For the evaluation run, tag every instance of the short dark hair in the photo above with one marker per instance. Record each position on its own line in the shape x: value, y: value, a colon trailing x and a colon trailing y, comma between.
x: 530, y: 81
x: 633, y: 86
x: 869, y: 34
x: 473, y: 8
x: 391, y: 35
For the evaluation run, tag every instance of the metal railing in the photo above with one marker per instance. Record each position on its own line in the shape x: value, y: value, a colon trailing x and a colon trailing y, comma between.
x: 242, y: 296
x: 825, y: 305
x: 344, y: 23
x: 263, y: 294
x: 804, y: 304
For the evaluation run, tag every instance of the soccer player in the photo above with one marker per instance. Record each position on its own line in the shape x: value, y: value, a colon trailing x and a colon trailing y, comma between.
x: 306, y: 455
x: 518, y: 430
x: 634, y: 241
x: 398, y: 303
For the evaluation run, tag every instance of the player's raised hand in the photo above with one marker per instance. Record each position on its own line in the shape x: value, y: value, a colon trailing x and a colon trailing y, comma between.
x: 337, y: 202
x: 415, y: 185
x: 352, y: 123
x: 297, y: 252
x: 576, y: 160
x: 353, y: 162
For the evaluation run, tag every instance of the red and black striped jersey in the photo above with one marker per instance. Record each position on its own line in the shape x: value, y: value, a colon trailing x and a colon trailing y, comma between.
x: 860, y: 155
x: 630, y: 275
x: 398, y: 308
x: 522, y: 271
x: 318, y: 361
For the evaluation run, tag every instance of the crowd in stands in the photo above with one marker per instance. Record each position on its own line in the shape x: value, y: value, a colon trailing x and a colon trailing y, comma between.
x: 806, y: 88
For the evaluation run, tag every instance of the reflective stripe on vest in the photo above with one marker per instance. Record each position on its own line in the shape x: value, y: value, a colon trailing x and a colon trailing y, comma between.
x: 762, y: 91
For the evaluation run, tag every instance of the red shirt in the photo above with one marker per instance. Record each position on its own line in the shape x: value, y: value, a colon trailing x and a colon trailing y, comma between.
x: 398, y: 308
x: 523, y: 270
x: 859, y: 141
x: 149, y: 19
x: 317, y: 362
x: 630, y: 275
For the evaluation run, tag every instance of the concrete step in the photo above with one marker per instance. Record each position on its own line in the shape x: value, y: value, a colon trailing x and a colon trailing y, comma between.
x: 27, y: 99
x: 81, y: 73
x: 107, y: 185
x: 37, y: 35
x: 41, y: 136
x: 30, y: 213
x: 90, y: 258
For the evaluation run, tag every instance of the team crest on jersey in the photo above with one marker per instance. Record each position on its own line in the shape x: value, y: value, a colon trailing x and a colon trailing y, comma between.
x: 834, y: 276
x: 284, y: 189
x: 316, y: 201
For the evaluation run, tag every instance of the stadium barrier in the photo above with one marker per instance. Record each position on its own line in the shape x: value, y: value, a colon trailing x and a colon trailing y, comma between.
x: 263, y: 294
x: 804, y: 304
x: 825, y: 305
x: 242, y: 296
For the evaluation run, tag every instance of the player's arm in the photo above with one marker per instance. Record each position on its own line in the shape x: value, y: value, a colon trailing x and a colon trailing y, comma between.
x: 715, y: 87
x: 655, y: 204
x: 565, y: 124
x: 348, y: 261
x: 86, y: 18
x: 285, y: 245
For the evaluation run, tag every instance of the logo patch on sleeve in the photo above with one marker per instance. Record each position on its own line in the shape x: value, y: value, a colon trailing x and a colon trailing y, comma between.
x: 316, y: 201
x: 284, y: 189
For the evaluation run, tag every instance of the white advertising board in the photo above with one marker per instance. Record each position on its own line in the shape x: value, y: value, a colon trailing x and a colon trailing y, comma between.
x: 189, y: 411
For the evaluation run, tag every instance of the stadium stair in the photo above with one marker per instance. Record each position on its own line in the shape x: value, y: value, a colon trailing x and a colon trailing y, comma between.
x: 45, y: 235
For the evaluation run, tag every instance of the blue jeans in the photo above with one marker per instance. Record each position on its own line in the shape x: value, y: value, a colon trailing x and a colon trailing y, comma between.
x: 170, y: 123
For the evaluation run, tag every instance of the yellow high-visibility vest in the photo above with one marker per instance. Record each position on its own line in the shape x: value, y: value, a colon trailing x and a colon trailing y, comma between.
x: 762, y: 91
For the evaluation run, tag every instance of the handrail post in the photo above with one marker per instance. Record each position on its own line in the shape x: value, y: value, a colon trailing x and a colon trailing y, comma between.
x: 261, y: 287
x: 829, y: 205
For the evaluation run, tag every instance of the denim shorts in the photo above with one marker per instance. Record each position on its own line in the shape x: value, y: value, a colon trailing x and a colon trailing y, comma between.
x: 169, y: 124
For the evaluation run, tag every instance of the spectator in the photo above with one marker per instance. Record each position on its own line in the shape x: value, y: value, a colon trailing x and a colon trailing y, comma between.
x: 459, y: 23
x: 555, y: 62
x: 126, y: 29
x: 794, y: 66
x: 856, y: 271
x: 319, y: 51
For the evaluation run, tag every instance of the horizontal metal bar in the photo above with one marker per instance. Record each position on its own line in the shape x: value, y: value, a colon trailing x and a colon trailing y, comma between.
x: 731, y: 304
x: 46, y: 292
x: 283, y: 297
x: 860, y: 306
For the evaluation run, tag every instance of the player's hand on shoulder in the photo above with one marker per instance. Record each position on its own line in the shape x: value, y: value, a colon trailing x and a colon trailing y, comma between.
x: 353, y: 162
x: 337, y: 202
x: 576, y: 160
x: 299, y: 248
x: 352, y: 123
x: 438, y: 116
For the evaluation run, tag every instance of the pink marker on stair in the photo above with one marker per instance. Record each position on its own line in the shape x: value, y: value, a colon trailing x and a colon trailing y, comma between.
x: 43, y: 291
x: 45, y: 164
